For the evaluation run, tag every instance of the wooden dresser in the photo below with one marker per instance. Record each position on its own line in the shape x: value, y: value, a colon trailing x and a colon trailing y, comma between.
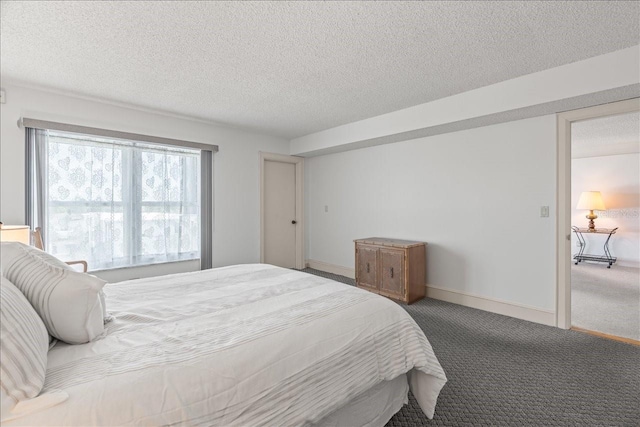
x: 393, y: 268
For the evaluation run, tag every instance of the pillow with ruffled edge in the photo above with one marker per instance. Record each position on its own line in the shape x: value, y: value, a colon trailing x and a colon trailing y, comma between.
x: 68, y: 302
x: 24, y: 343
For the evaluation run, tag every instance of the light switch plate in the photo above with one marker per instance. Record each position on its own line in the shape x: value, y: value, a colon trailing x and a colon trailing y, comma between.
x: 544, y: 211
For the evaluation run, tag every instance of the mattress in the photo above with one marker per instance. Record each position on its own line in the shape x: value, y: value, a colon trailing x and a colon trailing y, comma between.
x: 240, y: 345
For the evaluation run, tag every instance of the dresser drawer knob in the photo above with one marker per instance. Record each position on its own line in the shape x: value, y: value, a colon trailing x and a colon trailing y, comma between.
x: 367, y: 267
x: 392, y: 272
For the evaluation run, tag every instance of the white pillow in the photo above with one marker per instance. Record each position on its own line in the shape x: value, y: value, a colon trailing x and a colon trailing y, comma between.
x: 67, y: 301
x: 50, y: 259
x: 23, y: 350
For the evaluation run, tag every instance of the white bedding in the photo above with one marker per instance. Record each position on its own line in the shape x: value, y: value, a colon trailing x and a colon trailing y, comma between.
x: 373, y: 408
x: 241, y: 345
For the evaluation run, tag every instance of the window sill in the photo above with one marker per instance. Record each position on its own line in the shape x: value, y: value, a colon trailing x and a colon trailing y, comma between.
x: 113, y: 275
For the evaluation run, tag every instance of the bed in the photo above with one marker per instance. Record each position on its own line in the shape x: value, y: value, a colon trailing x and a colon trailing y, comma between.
x: 242, y: 345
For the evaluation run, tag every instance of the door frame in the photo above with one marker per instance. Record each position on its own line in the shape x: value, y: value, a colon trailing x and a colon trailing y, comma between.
x: 299, y: 165
x: 563, y: 220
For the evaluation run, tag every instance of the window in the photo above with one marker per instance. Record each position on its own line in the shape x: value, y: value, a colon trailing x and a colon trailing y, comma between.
x: 116, y: 202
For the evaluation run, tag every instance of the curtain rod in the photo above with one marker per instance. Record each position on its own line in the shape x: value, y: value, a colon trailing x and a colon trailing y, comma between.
x: 25, y: 122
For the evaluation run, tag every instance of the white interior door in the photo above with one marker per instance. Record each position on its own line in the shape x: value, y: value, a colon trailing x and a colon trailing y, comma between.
x: 280, y: 214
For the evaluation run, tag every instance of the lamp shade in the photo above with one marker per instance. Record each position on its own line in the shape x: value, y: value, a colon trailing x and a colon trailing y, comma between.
x: 15, y: 233
x: 591, y: 200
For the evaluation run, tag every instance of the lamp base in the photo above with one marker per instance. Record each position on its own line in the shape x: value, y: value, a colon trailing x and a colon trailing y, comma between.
x: 591, y: 216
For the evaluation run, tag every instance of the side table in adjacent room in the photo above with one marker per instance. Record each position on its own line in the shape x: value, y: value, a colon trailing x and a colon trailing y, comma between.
x: 606, y: 257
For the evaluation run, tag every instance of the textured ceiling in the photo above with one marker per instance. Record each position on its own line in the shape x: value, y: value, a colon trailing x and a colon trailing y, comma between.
x: 620, y: 129
x: 293, y: 68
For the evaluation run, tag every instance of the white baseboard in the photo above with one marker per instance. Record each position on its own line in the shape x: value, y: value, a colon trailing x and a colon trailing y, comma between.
x: 332, y: 268
x: 505, y: 308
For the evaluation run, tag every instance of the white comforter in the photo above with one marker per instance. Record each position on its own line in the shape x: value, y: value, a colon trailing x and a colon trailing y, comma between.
x: 236, y: 346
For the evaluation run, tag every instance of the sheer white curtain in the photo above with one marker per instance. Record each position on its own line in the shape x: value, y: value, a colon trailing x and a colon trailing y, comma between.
x: 118, y: 203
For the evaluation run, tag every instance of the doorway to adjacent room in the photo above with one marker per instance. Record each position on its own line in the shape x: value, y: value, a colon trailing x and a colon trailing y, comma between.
x: 599, y: 220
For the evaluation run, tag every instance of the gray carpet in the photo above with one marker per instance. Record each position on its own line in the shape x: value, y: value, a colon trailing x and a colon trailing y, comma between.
x: 508, y: 372
x: 606, y: 300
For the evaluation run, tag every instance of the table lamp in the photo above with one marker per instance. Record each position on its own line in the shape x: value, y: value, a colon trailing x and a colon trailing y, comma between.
x: 591, y: 200
x: 15, y: 233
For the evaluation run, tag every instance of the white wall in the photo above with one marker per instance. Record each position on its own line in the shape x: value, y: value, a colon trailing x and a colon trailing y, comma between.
x: 236, y: 232
x: 617, y: 177
x: 473, y: 195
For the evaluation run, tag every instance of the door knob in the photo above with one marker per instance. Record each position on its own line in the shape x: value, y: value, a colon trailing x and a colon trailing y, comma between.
x: 294, y: 222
